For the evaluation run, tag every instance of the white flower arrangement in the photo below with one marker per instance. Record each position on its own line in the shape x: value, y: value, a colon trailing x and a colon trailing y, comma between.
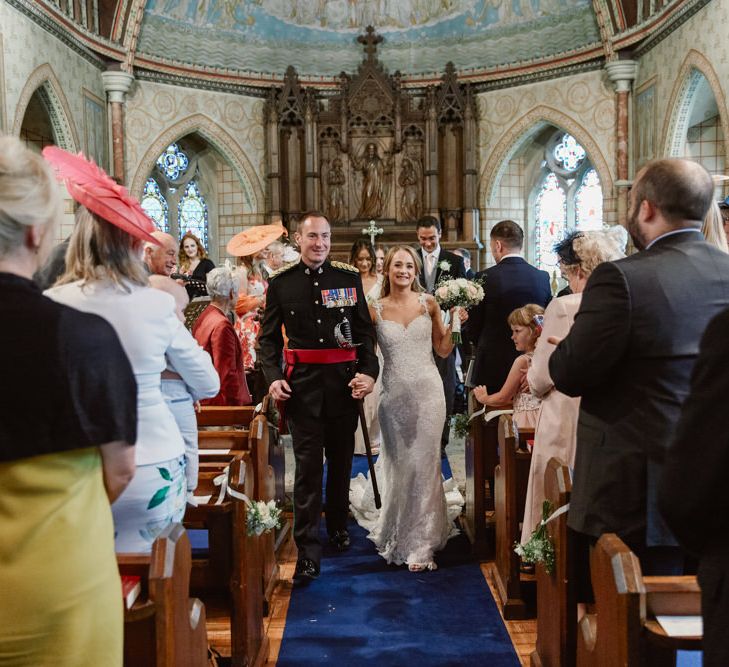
x: 459, y: 293
x: 444, y: 265
x: 262, y: 517
x: 539, y: 548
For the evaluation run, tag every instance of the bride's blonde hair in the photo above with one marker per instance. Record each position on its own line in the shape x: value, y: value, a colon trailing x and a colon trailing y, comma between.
x: 416, y: 286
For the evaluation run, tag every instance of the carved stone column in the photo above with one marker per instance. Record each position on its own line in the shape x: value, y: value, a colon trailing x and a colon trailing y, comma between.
x: 431, y: 155
x: 117, y: 85
x: 470, y: 170
x: 311, y: 153
x: 622, y: 73
x: 273, y: 159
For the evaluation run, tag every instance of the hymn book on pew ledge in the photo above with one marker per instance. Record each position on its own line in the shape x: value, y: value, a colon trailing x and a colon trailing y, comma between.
x: 131, y: 588
x: 682, y: 626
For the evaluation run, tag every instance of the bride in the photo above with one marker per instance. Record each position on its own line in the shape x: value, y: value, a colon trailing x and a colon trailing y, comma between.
x: 414, y: 521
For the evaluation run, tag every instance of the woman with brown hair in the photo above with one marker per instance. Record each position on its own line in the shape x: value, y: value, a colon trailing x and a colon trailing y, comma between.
x: 194, y: 264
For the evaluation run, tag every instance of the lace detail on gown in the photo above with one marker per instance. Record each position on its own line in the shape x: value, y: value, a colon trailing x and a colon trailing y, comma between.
x: 418, y: 508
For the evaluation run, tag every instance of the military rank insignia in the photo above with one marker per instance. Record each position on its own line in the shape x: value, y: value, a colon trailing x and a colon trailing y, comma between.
x: 338, y: 298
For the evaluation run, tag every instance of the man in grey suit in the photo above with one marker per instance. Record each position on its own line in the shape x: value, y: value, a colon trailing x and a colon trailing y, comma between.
x: 630, y: 355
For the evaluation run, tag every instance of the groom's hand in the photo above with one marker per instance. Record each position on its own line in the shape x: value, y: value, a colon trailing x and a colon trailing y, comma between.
x: 280, y: 390
x: 361, y: 385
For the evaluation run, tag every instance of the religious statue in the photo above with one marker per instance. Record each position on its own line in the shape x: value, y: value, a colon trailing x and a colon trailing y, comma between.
x: 409, y: 181
x: 335, y: 194
x: 374, y: 190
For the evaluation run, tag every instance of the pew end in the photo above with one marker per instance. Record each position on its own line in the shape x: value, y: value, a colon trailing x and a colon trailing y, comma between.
x: 165, y: 627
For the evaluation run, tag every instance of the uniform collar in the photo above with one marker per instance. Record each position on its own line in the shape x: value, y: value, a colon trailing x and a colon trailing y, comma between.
x: 311, y: 272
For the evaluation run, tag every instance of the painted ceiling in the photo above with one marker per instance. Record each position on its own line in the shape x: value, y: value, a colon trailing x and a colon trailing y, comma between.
x: 319, y: 37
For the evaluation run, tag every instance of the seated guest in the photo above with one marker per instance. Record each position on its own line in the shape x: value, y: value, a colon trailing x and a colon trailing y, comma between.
x: 556, y: 430
x: 67, y: 432
x: 194, y: 264
x: 178, y: 396
x: 214, y: 331
x: 105, y: 275
x: 525, y: 323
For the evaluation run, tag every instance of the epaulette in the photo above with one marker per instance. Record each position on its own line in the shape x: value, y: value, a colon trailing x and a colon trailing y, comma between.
x: 343, y: 266
x: 283, y: 269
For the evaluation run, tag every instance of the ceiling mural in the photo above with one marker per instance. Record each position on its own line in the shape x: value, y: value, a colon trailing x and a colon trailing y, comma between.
x: 319, y: 36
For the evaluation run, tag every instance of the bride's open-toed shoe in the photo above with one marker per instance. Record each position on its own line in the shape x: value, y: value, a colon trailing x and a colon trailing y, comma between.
x: 422, y: 567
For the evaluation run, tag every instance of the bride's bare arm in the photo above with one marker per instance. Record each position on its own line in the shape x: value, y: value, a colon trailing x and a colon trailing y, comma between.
x: 442, y: 343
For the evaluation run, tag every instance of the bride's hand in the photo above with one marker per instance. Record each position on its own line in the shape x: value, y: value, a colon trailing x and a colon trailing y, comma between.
x: 361, y: 385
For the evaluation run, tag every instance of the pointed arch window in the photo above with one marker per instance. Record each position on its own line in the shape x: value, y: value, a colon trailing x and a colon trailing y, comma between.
x: 155, y: 205
x: 551, y: 220
x: 569, y: 154
x: 192, y: 214
x: 173, y: 162
x: 588, y: 202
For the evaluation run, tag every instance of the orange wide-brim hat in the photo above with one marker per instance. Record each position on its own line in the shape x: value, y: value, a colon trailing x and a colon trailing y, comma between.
x: 253, y: 240
x: 91, y: 187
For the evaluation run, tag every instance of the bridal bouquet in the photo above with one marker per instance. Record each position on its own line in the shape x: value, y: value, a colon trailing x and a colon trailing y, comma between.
x: 262, y: 517
x: 460, y: 293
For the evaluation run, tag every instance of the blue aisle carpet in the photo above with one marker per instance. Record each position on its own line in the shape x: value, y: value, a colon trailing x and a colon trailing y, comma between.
x: 362, y: 611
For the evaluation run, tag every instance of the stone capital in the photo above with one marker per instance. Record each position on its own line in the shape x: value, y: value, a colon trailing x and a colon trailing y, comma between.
x: 622, y: 73
x: 117, y: 84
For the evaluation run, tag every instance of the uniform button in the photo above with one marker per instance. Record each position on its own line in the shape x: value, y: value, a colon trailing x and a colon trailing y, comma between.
x: 318, y: 321
x: 341, y: 310
x: 321, y: 340
x: 292, y: 312
x: 316, y: 284
x: 316, y: 302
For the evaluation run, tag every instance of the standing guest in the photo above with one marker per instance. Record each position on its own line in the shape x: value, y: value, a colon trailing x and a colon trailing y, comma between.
x: 178, y: 396
x: 465, y: 254
x: 66, y: 445
x: 630, y: 354
x: 274, y: 258
x: 194, y: 264
x: 713, y: 228
x: 380, y: 252
x: 692, y: 493
x: 105, y: 275
x: 438, y: 264
x: 311, y: 298
x: 525, y: 330
x: 509, y: 285
x: 555, y: 435
x: 214, y: 331
x: 362, y: 256
x: 160, y: 258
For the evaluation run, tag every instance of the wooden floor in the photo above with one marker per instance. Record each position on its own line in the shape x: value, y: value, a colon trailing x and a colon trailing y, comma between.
x: 523, y: 633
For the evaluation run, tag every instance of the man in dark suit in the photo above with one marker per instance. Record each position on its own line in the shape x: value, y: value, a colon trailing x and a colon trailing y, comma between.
x: 511, y: 284
x: 310, y: 298
x: 439, y: 264
x: 692, y: 494
x: 630, y: 354
x: 465, y: 254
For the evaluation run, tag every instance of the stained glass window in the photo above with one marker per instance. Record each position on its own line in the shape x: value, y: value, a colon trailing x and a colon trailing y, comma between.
x: 568, y: 153
x: 588, y: 202
x: 192, y: 214
x: 155, y: 205
x: 173, y: 162
x: 551, y: 214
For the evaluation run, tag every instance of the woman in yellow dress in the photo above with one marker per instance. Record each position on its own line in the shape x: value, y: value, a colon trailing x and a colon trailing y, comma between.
x: 67, y: 430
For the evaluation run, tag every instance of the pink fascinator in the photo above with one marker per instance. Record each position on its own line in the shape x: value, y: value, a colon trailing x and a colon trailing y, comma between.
x: 91, y: 187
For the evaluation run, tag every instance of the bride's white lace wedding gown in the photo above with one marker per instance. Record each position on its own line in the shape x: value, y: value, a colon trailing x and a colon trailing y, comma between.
x: 416, y: 519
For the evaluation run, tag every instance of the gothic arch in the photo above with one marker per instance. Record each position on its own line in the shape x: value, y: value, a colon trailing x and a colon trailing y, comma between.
x: 522, y: 131
x: 44, y: 80
x: 219, y: 139
x: 675, y: 125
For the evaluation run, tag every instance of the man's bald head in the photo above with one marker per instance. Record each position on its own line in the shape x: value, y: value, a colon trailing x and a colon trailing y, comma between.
x: 161, y: 259
x: 680, y: 189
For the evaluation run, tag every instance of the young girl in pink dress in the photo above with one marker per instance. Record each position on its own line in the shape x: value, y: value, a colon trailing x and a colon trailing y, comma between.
x: 525, y: 323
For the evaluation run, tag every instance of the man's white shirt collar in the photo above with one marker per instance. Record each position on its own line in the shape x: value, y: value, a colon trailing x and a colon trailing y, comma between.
x: 435, y: 254
x: 511, y: 254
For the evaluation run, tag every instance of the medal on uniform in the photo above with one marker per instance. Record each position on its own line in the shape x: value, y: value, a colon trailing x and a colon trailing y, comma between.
x: 339, y: 297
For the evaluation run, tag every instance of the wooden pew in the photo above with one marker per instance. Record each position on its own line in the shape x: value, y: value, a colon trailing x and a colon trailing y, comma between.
x: 229, y: 578
x: 556, y: 606
x: 481, y: 458
x: 622, y: 631
x: 164, y: 627
x: 235, y: 438
x: 516, y: 590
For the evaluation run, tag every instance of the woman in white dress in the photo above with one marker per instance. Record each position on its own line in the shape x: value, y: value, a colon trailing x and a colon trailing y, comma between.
x: 414, y: 521
x: 362, y: 256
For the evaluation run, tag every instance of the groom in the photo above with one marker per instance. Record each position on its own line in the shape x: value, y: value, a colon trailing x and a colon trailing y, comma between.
x: 439, y: 264
x: 309, y: 299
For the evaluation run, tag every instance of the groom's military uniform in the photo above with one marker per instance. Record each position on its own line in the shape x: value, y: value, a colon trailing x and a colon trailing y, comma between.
x: 321, y: 413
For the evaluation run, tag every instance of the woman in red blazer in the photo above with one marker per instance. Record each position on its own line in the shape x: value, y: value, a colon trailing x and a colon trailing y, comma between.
x: 215, y: 333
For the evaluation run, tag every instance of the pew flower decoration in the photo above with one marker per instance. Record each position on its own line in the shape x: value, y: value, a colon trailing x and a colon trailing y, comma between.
x: 461, y: 425
x: 458, y: 293
x: 539, y: 548
x: 262, y: 517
